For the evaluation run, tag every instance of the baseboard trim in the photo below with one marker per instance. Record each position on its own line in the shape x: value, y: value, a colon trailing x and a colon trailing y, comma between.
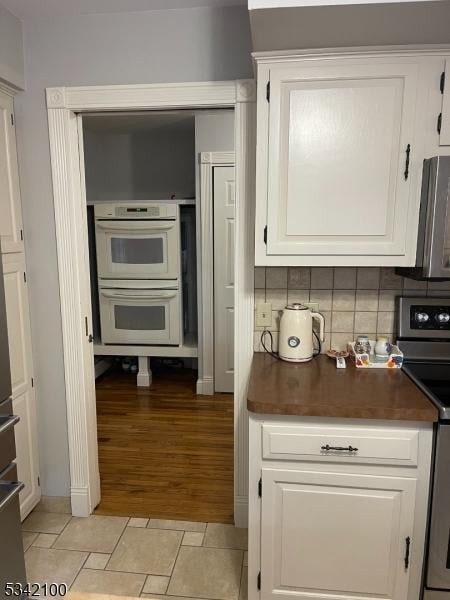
x: 79, y: 499
x: 241, y: 511
x: 205, y: 386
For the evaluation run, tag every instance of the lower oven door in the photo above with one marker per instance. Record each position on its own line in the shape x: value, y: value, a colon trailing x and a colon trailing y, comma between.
x: 438, y: 567
x: 140, y: 316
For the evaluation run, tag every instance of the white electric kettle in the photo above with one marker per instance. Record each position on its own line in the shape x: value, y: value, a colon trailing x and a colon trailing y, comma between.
x: 295, y: 342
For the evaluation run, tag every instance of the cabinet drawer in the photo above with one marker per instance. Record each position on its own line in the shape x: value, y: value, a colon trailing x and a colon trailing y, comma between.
x: 340, y: 444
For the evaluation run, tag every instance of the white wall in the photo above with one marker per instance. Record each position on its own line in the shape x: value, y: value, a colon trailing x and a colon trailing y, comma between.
x: 155, y: 46
x: 11, y: 49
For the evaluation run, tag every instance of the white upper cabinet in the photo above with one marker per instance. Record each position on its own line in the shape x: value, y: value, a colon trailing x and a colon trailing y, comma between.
x: 339, y: 159
x: 10, y: 210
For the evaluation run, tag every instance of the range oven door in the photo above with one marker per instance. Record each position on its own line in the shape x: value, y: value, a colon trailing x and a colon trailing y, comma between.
x: 438, y: 567
x: 133, y: 249
x: 140, y: 316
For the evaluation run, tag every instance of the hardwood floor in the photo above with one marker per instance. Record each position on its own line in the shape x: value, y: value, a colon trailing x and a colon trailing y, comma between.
x: 164, y: 452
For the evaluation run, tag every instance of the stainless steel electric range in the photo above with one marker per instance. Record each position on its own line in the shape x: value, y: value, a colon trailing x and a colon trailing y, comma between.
x: 424, y: 338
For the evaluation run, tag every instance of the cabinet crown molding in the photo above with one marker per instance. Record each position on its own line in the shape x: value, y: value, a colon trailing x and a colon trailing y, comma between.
x: 352, y: 51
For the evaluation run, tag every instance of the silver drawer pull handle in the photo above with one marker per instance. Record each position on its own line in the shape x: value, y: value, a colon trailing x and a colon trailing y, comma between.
x: 13, y: 487
x: 339, y: 448
x: 10, y: 422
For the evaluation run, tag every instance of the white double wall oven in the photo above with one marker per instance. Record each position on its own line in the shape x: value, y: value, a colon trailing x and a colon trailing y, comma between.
x: 139, y: 273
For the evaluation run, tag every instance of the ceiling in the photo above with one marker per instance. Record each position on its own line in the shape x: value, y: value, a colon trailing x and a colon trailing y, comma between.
x: 26, y: 9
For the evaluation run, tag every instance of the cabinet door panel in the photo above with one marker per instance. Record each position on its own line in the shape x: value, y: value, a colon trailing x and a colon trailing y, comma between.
x: 26, y: 449
x: 18, y: 322
x: 10, y: 210
x: 444, y: 138
x: 336, y: 533
x: 337, y: 150
x: 23, y: 394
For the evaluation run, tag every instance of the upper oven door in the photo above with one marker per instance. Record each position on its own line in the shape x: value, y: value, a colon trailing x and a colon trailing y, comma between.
x: 435, y: 218
x: 438, y: 568
x: 138, y: 249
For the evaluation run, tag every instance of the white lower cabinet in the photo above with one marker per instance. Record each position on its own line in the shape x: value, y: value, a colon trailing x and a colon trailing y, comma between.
x: 332, y: 526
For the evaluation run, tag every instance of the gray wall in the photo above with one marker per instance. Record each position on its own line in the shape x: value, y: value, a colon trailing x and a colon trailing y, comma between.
x: 11, y: 49
x: 143, y: 47
x: 351, y: 25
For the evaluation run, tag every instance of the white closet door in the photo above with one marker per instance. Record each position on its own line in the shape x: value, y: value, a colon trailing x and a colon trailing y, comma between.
x: 23, y: 394
x: 10, y: 209
x: 224, y: 214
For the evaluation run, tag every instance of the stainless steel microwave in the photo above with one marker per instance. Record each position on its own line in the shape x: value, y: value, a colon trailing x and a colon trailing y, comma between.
x: 433, y: 243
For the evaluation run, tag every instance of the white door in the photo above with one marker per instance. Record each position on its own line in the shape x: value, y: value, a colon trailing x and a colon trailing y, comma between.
x: 224, y: 214
x: 340, y: 535
x: 444, y: 137
x: 10, y: 211
x: 341, y: 157
x: 23, y: 393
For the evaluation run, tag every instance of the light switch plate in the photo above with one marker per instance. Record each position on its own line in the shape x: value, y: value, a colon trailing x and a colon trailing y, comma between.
x: 313, y: 306
x: 263, y: 314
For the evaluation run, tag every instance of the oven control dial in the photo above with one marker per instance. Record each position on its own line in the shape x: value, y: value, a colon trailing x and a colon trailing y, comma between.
x: 443, y: 318
x: 422, y: 317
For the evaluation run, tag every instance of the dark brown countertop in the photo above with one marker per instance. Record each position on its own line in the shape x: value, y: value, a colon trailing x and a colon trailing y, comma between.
x: 318, y: 389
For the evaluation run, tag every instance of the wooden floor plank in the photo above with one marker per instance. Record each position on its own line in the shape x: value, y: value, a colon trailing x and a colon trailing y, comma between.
x: 164, y: 452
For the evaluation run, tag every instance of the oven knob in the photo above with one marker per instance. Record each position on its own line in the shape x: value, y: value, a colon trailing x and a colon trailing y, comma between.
x: 443, y: 318
x: 422, y: 317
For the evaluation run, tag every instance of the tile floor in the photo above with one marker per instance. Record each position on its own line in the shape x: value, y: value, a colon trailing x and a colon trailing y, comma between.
x: 155, y: 558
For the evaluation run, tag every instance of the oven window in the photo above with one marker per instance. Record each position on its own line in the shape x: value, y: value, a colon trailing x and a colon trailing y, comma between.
x: 137, y: 251
x: 144, y: 318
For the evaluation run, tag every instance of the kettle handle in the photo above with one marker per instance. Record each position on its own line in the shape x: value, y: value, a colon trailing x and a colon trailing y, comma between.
x: 321, y: 320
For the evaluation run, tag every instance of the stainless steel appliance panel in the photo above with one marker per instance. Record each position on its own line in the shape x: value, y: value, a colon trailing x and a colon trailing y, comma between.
x: 5, y: 376
x: 12, y: 565
x: 438, y: 574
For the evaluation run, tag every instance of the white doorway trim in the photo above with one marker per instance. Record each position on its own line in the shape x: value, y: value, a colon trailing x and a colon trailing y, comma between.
x: 63, y: 105
x: 208, y: 160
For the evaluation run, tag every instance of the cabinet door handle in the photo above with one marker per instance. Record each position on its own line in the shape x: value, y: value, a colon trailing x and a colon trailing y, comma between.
x: 340, y: 448
x: 407, y: 550
x: 408, y: 152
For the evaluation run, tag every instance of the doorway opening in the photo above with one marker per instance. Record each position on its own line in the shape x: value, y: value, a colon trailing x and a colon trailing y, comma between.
x: 160, y: 213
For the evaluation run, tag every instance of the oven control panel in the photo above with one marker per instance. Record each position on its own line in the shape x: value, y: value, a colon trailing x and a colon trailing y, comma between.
x: 430, y: 318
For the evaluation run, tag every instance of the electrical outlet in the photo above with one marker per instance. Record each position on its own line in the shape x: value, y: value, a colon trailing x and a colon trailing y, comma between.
x: 264, y: 314
x: 313, y: 306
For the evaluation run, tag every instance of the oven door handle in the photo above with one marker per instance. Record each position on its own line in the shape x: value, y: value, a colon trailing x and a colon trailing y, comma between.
x: 147, y: 296
x: 136, y: 226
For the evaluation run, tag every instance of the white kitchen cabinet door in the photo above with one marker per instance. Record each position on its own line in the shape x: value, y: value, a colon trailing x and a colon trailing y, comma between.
x: 444, y: 137
x: 342, y: 162
x: 338, y: 534
x: 23, y: 393
x: 10, y: 209
x: 224, y: 214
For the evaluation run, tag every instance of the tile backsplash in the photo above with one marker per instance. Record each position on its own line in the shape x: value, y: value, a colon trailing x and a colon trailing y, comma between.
x: 353, y: 300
